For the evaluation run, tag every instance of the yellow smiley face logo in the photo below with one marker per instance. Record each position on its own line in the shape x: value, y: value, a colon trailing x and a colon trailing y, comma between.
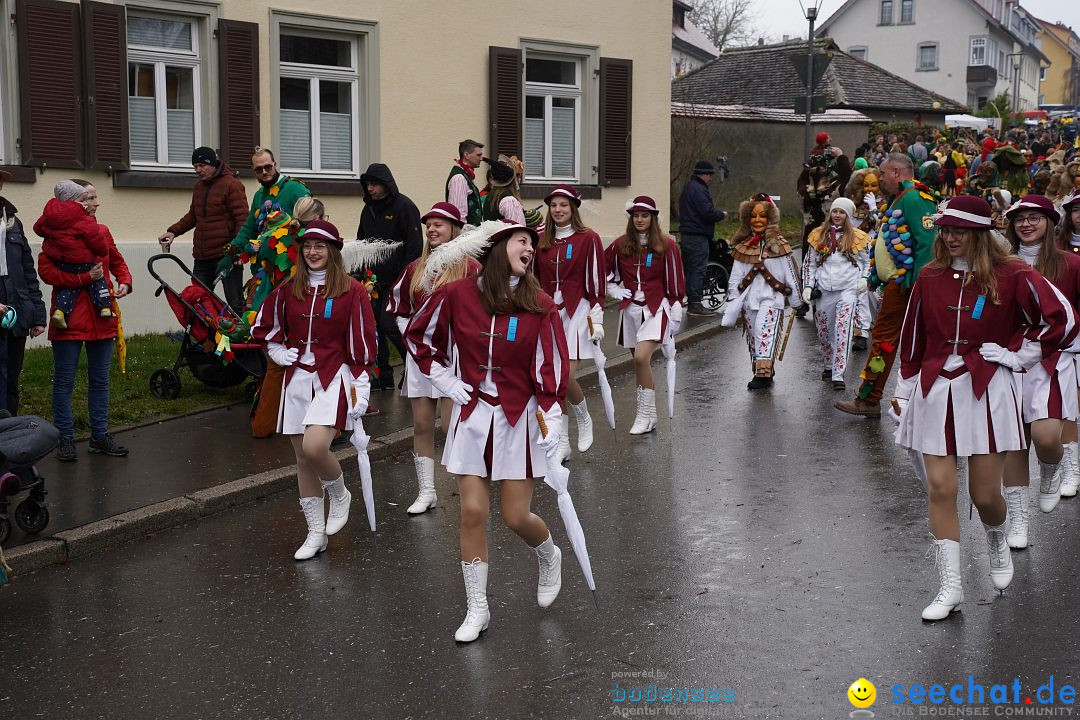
x: 862, y: 693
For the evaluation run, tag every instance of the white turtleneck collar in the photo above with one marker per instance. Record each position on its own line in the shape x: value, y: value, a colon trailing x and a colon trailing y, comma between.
x: 316, y: 278
x: 959, y: 263
x: 514, y: 280
x: 564, y: 232
x: 1075, y: 240
x: 642, y: 239
x: 1028, y: 253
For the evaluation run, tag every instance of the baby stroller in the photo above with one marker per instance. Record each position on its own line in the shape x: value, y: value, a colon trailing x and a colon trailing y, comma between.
x: 717, y: 272
x: 23, y: 441
x: 216, y: 346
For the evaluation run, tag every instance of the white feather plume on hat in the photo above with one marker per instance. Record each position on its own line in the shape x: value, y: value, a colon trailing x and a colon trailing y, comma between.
x: 357, y: 254
x: 472, y: 242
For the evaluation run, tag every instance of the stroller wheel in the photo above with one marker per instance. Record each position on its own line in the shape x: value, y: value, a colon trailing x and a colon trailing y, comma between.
x: 714, y: 291
x: 31, y: 516
x: 165, y: 384
x: 5, y: 530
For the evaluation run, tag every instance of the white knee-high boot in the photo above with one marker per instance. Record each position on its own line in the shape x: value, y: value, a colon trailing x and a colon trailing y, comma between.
x: 478, y: 617
x: 645, y: 420
x: 562, y: 453
x: 1016, y: 499
x: 1001, y: 565
x: 584, y: 426
x: 550, y: 558
x: 340, y: 502
x: 315, y: 542
x: 1049, y: 485
x: 1070, y: 476
x: 950, y: 594
x: 425, y: 476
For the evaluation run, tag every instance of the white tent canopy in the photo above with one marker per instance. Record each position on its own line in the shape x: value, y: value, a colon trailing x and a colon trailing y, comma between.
x: 966, y: 121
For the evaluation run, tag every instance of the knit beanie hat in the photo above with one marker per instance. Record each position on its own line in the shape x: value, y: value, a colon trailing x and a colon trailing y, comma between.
x: 205, y: 156
x: 67, y: 190
x: 844, y: 204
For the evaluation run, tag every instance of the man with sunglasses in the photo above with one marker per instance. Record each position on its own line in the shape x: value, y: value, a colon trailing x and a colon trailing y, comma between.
x: 276, y: 192
x: 905, y: 244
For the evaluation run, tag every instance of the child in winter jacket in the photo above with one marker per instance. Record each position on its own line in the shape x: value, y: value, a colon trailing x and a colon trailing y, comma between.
x: 72, y: 239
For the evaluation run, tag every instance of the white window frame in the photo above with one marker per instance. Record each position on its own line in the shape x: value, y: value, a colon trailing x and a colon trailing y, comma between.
x: 980, y: 42
x: 364, y: 75
x: 586, y: 108
x: 854, y: 49
x: 919, y: 67
x: 9, y: 63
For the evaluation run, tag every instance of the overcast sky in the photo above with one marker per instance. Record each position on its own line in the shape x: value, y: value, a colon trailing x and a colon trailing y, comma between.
x: 779, y: 17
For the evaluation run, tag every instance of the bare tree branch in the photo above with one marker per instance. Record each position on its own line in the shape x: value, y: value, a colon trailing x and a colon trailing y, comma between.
x: 726, y: 22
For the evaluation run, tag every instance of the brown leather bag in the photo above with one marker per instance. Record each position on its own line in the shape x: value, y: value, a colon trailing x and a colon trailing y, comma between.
x: 265, y: 415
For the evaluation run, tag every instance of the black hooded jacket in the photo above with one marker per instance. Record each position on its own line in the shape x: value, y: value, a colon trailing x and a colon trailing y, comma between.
x: 392, y: 217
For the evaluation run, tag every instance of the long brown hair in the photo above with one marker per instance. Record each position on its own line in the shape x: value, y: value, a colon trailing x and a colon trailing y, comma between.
x: 984, y: 254
x: 495, y: 291
x: 629, y: 246
x: 847, y: 238
x: 496, y: 193
x: 1049, y: 261
x: 449, y: 275
x: 337, y: 280
x: 1066, y: 229
x: 547, y: 239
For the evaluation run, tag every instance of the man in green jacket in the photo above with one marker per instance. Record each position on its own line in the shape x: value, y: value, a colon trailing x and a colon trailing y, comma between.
x: 461, y: 182
x: 276, y: 192
x: 907, y: 217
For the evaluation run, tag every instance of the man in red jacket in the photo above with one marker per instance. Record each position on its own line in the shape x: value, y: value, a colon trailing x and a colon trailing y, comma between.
x: 218, y: 210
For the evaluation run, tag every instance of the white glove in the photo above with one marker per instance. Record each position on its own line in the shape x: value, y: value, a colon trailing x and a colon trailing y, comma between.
x: 806, y: 295
x: 597, y: 316
x: 992, y: 352
x: 450, y: 385
x: 553, y: 419
x: 871, y: 201
x: 618, y: 292
x: 905, y: 388
x: 862, y: 287
x: 281, y: 355
x: 361, y: 392
x: 675, y: 318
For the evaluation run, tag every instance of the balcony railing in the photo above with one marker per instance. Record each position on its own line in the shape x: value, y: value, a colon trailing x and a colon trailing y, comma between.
x: 981, y: 75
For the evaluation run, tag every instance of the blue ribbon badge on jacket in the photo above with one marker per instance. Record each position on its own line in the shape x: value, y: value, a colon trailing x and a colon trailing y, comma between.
x: 569, y: 250
x: 979, y: 303
x: 511, y: 329
x: 648, y: 260
x: 329, y: 307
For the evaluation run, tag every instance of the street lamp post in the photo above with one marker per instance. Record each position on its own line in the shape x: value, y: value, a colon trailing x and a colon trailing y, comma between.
x: 810, y: 10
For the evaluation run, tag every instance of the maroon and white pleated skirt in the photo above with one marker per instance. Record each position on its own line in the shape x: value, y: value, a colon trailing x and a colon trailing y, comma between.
x: 1049, y: 394
x: 304, y: 401
x: 637, y: 323
x: 950, y: 420
x: 486, y: 445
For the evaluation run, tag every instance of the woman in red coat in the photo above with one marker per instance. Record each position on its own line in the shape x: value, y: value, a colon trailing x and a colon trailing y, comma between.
x: 1068, y: 239
x: 319, y: 327
x: 976, y: 314
x: 512, y: 363
x: 570, y: 267
x: 645, y: 274
x: 1049, y: 386
x: 85, y: 326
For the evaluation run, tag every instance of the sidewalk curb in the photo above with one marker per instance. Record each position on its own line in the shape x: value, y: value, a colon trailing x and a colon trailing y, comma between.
x: 118, y: 529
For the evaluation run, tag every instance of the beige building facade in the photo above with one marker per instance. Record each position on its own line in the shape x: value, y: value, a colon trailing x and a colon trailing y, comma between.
x: 120, y: 93
x: 1060, y: 83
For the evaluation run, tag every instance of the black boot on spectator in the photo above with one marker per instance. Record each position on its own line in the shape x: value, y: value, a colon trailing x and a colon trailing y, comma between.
x: 106, y: 445
x: 699, y: 310
x: 385, y: 381
x: 65, y: 452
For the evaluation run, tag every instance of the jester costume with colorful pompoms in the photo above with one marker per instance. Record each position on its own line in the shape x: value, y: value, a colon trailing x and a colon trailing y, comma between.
x: 905, y: 244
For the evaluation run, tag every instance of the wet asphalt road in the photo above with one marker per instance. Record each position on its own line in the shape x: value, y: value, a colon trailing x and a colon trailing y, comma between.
x: 757, y: 543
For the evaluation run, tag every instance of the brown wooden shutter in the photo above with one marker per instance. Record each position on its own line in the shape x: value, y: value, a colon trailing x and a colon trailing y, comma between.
x: 105, y: 41
x: 616, y: 108
x: 238, y: 62
x: 50, y: 83
x: 507, y: 101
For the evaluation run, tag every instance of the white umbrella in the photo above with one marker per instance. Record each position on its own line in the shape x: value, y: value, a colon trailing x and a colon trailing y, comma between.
x: 668, y: 348
x: 600, y: 360
x: 360, y: 441
x: 558, y: 477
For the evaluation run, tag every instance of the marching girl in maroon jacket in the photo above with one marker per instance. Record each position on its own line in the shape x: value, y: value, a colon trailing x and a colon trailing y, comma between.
x: 975, y: 315
x: 570, y: 266
x: 512, y: 362
x: 1049, y: 387
x: 442, y: 224
x: 1068, y: 239
x: 645, y: 274
x: 320, y: 328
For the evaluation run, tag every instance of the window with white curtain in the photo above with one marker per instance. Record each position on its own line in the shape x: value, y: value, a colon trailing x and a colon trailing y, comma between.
x: 553, y: 99
x: 318, y: 90
x: 978, y: 51
x: 928, y: 56
x: 907, y: 11
x: 163, y: 90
